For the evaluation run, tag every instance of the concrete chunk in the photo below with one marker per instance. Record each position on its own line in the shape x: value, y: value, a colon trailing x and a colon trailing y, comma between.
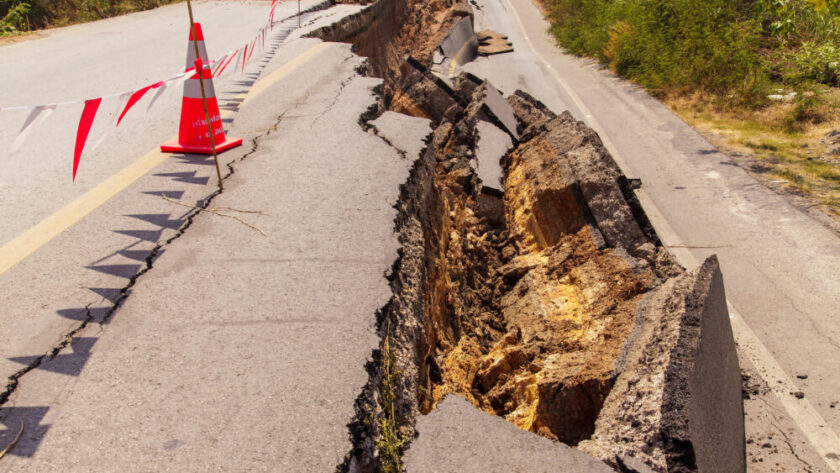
x: 496, y: 105
x: 493, y: 143
x: 494, y: 46
x: 461, y: 45
x: 456, y: 436
x: 488, y: 34
x: 680, y: 386
x: 403, y: 132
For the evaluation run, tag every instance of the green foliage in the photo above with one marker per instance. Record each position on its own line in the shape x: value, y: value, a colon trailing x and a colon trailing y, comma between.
x: 17, y: 16
x: 14, y: 19
x: 731, y: 48
x: 392, y: 439
x: 808, y: 108
x: 819, y: 63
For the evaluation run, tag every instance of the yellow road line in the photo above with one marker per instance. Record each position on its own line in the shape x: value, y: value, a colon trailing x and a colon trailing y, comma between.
x: 456, y: 61
x: 39, y: 235
x: 31, y: 240
x: 280, y: 73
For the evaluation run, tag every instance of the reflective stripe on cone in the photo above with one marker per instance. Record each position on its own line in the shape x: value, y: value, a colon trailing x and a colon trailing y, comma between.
x: 193, y: 133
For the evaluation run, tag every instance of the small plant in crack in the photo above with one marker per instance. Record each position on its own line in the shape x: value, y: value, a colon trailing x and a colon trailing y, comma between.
x: 392, y: 439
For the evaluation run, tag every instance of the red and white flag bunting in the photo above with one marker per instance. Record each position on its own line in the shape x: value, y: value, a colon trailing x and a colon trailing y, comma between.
x: 88, y: 114
x: 127, y: 100
x: 135, y: 97
x: 38, y: 115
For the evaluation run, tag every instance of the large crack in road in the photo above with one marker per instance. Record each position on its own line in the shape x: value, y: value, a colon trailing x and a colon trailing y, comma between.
x: 544, y: 299
x: 551, y: 304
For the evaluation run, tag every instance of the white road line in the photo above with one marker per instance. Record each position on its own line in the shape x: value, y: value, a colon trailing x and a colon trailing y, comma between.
x: 824, y: 440
x: 590, y: 119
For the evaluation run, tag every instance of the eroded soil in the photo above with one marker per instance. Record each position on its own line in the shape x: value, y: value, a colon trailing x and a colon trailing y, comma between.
x: 525, y: 302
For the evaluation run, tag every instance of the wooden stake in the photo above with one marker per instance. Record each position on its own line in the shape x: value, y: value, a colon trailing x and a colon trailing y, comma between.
x: 14, y: 442
x: 298, y: 13
x: 204, y: 97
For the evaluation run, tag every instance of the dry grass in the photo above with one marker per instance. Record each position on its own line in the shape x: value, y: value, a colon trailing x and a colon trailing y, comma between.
x: 788, y: 156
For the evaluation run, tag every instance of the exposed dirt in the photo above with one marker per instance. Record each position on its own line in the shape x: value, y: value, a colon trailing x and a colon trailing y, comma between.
x: 390, y: 30
x: 528, y: 303
x: 527, y: 312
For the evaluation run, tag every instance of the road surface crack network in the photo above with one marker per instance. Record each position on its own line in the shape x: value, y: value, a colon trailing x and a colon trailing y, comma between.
x: 14, y: 380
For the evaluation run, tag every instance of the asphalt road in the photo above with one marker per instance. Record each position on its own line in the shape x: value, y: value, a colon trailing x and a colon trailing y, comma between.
x: 91, y: 60
x: 44, y: 295
x: 108, y: 247
x: 781, y: 266
x: 245, y: 347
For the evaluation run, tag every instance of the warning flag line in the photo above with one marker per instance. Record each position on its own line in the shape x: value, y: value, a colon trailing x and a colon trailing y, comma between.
x: 176, y: 77
x: 129, y: 98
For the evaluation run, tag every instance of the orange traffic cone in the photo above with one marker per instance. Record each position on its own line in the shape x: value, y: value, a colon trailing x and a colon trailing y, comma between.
x: 193, y: 136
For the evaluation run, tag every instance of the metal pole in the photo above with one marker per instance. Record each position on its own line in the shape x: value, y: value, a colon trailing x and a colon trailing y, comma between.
x: 204, y: 96
x: 298, y: 13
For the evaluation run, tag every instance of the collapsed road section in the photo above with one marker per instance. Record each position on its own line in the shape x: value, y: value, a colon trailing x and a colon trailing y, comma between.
x: 545, y: 297
x: 531, y: 320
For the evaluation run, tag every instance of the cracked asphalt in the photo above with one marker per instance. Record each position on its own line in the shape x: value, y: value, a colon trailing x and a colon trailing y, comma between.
x: 243, y: 351
x: 218, y: 359
x: 259, y: 321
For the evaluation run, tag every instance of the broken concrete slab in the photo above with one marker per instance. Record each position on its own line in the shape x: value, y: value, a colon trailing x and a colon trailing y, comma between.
x: 680, y: 387
x: 460, y: 46
x: 496, y: 105
x: 596, y: 175
x: 421, y: 93
x: 489, y: 34
x: 493, y: 143
x: 704, y: 380
x: 458, y: 437
x: 404, y: 132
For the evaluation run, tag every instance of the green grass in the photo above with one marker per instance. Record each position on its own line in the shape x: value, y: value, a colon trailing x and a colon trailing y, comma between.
x: 762, y: 146
x: 773, y: 153
x: 738, y: 50
x: 392, y: 440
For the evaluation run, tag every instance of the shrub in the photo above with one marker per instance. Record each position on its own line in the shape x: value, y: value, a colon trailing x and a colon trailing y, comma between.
x: 819, y: 62
x: 731, y: 48
x: 15, y: 18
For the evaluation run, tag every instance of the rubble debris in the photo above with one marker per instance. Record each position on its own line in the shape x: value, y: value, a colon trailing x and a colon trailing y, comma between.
x: 493, y: 143
x: 484, y: 35
x: 494, y: 46
x: 491, y: 42
x: 389, y: 30
x: 547, y: 300
x: 831, y: 140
